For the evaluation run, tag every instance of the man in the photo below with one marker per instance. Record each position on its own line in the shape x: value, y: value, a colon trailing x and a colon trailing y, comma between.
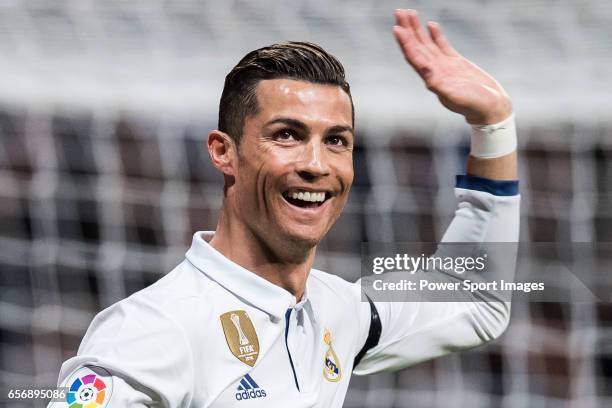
x: 244, y: 320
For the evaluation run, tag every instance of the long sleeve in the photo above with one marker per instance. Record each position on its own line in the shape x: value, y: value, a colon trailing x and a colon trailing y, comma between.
x: 488, y: 212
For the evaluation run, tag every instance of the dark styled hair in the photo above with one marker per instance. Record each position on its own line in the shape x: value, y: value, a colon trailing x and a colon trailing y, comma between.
x: 301, y: 61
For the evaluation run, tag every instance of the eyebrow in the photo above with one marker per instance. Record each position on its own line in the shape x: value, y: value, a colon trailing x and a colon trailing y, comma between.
x: 340, y: 129
x: 302, y: 126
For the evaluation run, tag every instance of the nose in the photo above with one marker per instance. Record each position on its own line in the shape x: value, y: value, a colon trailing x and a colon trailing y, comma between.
x: 313, y: 162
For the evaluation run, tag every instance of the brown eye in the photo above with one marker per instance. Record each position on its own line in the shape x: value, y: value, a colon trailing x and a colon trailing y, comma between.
x: 285, y: 135
x: 337, y: 141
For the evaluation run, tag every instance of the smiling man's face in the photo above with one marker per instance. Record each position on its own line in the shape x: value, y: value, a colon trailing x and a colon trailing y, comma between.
x: 295, y: 163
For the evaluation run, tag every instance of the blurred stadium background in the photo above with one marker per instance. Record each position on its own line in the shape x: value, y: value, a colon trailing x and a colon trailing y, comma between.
x: 105, y: 105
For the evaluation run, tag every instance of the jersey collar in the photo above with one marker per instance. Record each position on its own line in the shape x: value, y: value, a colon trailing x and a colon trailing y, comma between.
x: 245, y: 284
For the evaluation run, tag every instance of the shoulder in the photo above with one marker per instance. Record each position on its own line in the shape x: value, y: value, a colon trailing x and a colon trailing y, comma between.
x: 158, y: 313
x: 140, y: 341
x: 183, y: 282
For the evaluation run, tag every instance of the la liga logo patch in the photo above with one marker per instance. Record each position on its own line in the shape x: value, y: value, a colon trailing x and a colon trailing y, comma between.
x: 89, y: 387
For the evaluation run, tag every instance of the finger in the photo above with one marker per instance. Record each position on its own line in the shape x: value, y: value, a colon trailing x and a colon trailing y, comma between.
x: 408, y: 43
x: 413, y: 20
x: 401, y: 18
x: 406, y: 19
x: 411, y: 48
x: 439, y: 38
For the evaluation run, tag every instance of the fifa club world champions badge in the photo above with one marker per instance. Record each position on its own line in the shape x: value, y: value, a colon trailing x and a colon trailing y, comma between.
x: 331, y: 367
x: 89, y: 387
x: 241, y: 336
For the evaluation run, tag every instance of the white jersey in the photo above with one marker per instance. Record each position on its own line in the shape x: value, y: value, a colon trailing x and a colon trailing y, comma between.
x: 213, y: 334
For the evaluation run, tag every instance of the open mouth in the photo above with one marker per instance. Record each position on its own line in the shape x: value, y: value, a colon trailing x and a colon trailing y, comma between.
x: 306, y: 199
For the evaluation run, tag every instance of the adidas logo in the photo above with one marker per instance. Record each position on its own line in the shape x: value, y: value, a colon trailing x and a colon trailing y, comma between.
x: 248, y: 389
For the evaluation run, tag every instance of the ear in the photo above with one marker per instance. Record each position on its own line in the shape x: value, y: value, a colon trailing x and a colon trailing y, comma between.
x: 222, y: 152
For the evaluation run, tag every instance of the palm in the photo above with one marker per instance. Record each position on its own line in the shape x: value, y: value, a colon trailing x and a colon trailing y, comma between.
x: 460, y: 85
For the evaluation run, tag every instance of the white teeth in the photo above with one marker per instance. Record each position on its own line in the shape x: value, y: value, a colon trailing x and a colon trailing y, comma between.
x: 307, y: 196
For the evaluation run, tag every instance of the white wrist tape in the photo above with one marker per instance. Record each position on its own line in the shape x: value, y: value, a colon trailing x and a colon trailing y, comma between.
x: 490, y: 141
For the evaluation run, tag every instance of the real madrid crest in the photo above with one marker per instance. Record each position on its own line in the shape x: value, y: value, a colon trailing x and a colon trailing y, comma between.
x: 331, y: 366
x: 241, y: 336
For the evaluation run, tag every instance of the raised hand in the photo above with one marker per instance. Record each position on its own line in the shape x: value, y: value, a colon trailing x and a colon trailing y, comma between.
x: 460, y: 85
